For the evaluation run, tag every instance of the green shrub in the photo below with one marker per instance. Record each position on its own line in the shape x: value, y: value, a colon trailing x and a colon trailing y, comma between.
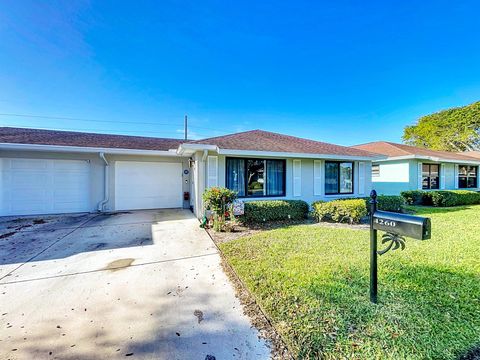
x: 413, y: 197
x: 345, y: 210
x: 274, y: 210
x: 444, y: 198
x: 427, y: 198
x: 393, y: 203
x: 218, y: 199
x: 441, y: 198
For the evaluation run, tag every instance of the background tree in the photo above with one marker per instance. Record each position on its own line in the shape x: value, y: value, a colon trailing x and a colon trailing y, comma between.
x: 456, y: 129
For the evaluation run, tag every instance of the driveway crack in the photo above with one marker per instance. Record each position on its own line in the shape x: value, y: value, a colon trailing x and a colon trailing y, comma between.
x: 103, y: 269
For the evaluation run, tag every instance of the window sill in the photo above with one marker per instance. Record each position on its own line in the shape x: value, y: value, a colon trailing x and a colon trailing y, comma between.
x: 260, y: 197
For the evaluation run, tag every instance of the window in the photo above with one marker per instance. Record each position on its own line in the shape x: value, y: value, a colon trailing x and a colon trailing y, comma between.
x: 338, y: 177
x: 256, y: 177
x: 430, y: 176
x: 467, y: 176
x: 375, y: 170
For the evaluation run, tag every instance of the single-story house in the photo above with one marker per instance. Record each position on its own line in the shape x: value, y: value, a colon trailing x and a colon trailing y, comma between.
x: 411, y: 168
x: 47, y: 172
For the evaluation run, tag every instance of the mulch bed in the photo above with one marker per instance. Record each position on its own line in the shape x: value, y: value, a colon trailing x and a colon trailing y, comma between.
x: 242, y: 230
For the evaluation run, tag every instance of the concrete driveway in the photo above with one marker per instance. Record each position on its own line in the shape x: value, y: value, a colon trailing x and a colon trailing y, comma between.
x: 144, y: 285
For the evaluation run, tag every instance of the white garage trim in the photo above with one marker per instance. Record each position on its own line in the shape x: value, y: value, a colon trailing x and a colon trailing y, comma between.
x: 44, y: 186
x: 148, y: 185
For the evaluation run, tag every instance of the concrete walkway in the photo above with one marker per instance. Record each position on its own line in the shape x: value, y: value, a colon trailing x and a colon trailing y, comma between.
x: 142, y: 285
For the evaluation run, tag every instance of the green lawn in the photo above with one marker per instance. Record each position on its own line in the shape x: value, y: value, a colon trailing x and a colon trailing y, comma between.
x: 313, y: 283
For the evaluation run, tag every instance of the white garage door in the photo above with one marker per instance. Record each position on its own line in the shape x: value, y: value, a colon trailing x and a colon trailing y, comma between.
x: 39, y: 186
x: 147, y: 185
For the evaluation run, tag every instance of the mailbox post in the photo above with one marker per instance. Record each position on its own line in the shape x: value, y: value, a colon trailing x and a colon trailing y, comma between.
x: 396, y: 227
x: 373, y: 250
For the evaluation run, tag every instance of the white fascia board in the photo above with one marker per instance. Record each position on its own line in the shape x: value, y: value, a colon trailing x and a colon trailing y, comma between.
x: 80, y: 149
x: 189, y: 149
x: 430, y: 158
x: 274, y: 154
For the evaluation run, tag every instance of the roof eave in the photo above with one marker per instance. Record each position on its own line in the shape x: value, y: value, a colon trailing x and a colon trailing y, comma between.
x: 188, y: 149
x: 430, y: 158
x: 234, y: 152
x: 82, y: 149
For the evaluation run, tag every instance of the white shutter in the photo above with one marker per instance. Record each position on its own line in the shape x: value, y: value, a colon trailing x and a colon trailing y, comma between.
x: 317, y: 177
x: 297, y: 177
x: 212, y: 171
x: 456, y: 176
x: 420, y: 178
x: 361, y: 178
x: 442, y: 176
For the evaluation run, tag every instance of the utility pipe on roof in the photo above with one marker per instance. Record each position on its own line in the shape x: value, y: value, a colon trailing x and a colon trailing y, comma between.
x: 101, y: 204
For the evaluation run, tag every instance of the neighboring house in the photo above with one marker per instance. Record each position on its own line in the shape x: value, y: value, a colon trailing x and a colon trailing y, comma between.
x: 411, y: 168
x: 473, y: 153
x: 46, y: 172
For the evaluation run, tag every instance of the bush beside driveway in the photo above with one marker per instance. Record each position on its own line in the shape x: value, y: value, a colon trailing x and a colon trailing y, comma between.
x: 313, y: 283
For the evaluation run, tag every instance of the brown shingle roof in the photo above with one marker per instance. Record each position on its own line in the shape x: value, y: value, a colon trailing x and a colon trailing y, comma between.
x: 393, y: 150
x: 475, y: 154
x: 259, y: 140
x: 70, y: 138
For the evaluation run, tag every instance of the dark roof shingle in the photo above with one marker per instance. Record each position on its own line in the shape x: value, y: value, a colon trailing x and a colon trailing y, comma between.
x: 71, y: 138
x: 393, y: 150
x: 254, y: 140
x: 259, y: 140
x: 473, y: 153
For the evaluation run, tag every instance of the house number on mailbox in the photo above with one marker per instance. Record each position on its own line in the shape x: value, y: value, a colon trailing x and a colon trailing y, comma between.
x: 385, y: 222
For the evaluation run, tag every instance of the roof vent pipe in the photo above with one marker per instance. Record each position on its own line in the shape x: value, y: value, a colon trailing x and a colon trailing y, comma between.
x: 101, y: 204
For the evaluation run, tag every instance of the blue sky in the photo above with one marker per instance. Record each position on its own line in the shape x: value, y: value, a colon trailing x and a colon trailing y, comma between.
x: 339, y: 71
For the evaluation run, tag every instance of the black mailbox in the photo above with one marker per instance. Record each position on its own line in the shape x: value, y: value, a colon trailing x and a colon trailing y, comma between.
x: 415, y: 227
x: 396, y: 226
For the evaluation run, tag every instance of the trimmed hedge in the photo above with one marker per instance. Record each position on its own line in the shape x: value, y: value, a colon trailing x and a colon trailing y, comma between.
x: 353, y: 209
x: 394, y: 203
x: 274, y: 210
x: 442, y: 198
x: 413, y: 197
x: 453, y: 198
x: 349, y: 210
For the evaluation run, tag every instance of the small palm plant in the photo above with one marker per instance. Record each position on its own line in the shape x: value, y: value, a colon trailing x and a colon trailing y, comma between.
x: 395, y: 242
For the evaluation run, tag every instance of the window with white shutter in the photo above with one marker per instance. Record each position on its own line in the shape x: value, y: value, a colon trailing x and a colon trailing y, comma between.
x: 317, y: 177
x: 212, y: 171
x: 297, y: 177
x: 361, y: 178
x: 442, y: 176
x: 419, y: 175
x: 456, y: 176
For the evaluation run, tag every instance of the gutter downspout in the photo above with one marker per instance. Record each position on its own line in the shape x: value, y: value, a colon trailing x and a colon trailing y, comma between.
x: 205, y: 170
x: 102, y: 203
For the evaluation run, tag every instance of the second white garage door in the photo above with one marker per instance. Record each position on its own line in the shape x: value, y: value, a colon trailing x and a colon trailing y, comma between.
x: 147, y: 185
